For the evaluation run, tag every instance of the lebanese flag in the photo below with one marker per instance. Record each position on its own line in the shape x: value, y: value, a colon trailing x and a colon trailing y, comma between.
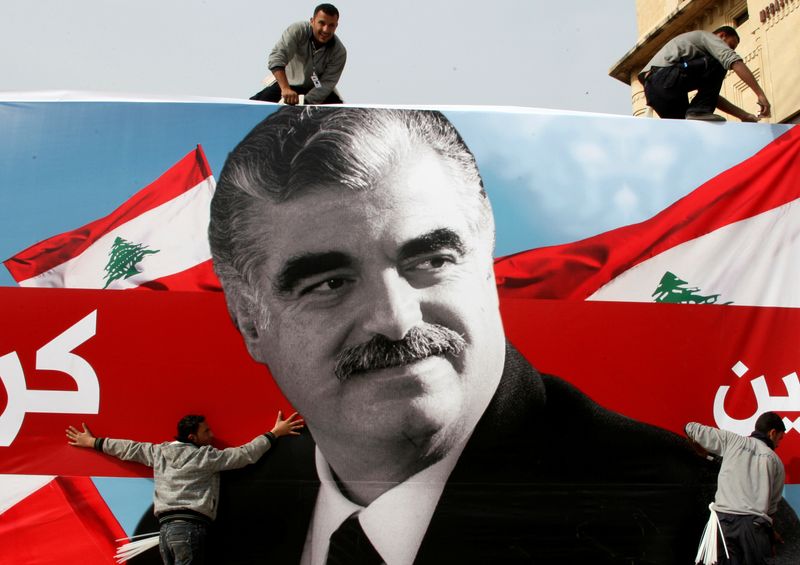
x: 735, y: 239
x: 55, y: 520
x: 156, y: 240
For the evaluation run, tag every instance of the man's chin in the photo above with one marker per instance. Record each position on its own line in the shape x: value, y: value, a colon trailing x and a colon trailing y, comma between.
x: 432, y: 433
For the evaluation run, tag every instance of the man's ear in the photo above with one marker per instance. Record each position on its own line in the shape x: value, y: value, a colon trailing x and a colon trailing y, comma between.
x: 246, y: 318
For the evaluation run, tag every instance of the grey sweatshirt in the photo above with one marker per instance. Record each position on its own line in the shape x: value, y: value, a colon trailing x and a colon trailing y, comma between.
x: 186, y: 476
x: 690, y: 45
x: 296, y: 54
x: 752, y: 476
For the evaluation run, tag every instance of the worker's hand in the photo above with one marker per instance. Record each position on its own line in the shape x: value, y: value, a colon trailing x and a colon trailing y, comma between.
x: 749, y: 117
x: 763, y: 104
x: 80, y: 439
x: 290, y: 96
x: 291, y: 426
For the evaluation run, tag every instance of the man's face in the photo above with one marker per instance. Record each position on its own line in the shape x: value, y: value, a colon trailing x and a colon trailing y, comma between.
x: 346, y: 266
x: 729, y: 40
x: 323, y: 26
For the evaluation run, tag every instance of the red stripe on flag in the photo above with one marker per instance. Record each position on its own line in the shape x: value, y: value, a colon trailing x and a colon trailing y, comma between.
x: 201, y: 277
x: 576, y: 270
x: 65, y: 521
x: 48, y: 254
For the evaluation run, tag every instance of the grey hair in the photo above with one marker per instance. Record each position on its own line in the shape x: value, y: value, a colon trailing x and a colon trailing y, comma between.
x: 295, y: 149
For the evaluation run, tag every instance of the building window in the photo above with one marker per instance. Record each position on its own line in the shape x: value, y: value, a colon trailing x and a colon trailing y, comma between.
x: 741, y: 18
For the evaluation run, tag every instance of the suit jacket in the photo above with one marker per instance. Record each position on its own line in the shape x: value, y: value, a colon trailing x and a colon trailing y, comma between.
x: 547, y: 476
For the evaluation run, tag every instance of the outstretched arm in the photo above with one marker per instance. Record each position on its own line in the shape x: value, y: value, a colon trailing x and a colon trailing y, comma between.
x: 237, y: 457
x: 124, y: 449
x: 80, y: 439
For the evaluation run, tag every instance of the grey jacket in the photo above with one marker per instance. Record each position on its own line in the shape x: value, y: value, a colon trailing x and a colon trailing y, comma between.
x: 296, y: 54
x: 186, y: 476
x: 751, y: 477
x: 691, y: 45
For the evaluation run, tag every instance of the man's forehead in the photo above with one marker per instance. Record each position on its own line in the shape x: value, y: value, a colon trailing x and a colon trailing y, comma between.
x: 339, y: 225
x: 337, y: 219
x: 320, y: 15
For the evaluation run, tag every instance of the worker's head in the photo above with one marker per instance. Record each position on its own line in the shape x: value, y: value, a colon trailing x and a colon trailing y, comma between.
x: 193, y: 428
x: 728, y: 35
x: 771, y: 425
x: 354, y: 247
x: 324, y: 22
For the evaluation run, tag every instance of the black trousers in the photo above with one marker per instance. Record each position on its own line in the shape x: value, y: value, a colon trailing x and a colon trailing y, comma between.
x: 749, y: 539
x: 272, y: 93
x: 667, y: 88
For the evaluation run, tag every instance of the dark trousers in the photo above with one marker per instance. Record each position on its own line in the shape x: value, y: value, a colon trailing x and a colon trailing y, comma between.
x: 272, y: 93
x: 183, y: 542
x: 748, y: 537
x: 667, y: 88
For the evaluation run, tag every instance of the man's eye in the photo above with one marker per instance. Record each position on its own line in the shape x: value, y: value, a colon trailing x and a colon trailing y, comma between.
x: 326, y: 286
x: 432, y: 263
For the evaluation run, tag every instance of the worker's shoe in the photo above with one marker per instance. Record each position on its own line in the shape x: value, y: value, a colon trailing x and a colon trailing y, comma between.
x: 705, y: 117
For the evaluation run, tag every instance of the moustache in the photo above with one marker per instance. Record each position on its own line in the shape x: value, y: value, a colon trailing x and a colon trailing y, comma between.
x: 379, y: 352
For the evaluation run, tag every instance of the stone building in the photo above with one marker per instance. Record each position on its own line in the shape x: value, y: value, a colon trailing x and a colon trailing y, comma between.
x: 770, y: 46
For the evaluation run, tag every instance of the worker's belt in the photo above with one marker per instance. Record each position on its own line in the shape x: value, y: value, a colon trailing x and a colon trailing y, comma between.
x: 183, y: 514
x: 687, y: 65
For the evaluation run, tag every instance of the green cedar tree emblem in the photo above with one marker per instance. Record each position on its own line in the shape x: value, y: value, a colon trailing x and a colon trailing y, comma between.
x: 673, y: 290
x: 123, y: 258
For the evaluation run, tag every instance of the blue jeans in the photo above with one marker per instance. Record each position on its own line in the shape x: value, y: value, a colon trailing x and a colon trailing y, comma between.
x: 183, y: 542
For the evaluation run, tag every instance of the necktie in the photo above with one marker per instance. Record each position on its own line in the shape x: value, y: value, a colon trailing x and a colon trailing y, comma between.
x: 351, y: 546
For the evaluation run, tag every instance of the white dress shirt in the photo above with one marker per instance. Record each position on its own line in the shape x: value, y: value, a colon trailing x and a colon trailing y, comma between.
x: 395, y: 522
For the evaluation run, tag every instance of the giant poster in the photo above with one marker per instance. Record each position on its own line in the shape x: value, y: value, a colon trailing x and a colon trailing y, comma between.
x: 495, y: 322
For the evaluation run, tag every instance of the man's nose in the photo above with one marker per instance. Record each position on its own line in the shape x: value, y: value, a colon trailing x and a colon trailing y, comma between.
x: 393, y: 307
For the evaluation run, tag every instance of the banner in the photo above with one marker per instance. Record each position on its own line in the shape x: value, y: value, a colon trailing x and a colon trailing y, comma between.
x: 644, y: 267
x: 177, y: 346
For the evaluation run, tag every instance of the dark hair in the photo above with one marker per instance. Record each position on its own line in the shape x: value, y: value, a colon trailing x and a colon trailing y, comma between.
x: 297, y: 148
x: 188, y: 425
x: 770, y: 421
x: 728, y: 30
x: 329, y: 9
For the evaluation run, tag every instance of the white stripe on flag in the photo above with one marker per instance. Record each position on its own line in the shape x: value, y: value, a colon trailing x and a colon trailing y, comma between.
x: 752, y: 262
x: 14, y: 488
x: 176, y: 229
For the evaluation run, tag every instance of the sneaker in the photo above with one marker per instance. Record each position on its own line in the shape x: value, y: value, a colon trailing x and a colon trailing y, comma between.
x: 706, y: 117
